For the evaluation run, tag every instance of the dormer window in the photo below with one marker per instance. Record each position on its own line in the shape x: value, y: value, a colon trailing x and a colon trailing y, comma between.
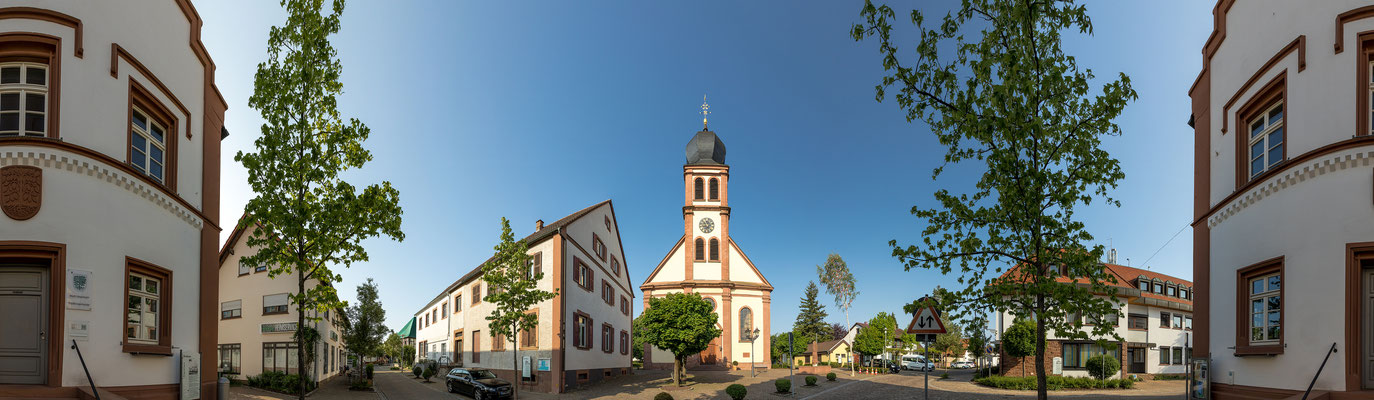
x: 1172, y: 291
x: 1144, y: 285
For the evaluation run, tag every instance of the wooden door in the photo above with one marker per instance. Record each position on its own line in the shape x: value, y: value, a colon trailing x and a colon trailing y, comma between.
x: 1367, y: 323
x: 23, y: 335
x: 712, y: 354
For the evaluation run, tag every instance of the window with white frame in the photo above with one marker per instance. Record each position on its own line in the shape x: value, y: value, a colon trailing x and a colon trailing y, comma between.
x: 148, y: 144
x: 144, y: 296
x: 1265, y: 309
x: 23, y: 99
x: 244, y: 269
x: 231, y: 309
x: 1266, y: 139
x: 231, y: 359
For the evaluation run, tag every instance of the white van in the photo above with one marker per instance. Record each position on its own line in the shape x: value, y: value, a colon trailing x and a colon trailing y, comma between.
x: 917, y: 363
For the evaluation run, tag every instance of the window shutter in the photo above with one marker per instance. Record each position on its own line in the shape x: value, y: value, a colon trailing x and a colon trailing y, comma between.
x: 275, y: 300
x: 231, y: 305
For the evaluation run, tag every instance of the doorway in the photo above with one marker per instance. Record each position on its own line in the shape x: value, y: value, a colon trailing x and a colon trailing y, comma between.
x: 24, y: 301
x: 1366, y: 321
x: 1136, y: 355
x: 712, y: 353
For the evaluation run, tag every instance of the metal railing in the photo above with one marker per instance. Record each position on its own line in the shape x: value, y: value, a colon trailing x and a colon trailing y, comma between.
x: 1319, y: 371
x: 95, y: 392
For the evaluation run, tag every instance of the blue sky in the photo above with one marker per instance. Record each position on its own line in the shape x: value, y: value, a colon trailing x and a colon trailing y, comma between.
x: 533, y: 110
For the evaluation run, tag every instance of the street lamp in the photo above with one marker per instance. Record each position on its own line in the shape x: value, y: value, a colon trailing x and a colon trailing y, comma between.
x: 752, y: 335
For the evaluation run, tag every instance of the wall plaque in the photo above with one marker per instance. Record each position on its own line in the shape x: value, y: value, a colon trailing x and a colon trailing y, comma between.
x: 21, y: 191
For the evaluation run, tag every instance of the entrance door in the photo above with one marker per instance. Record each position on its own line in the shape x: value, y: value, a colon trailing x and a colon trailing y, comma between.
x: 1367, y: 325
x: 712, y: 353
x: 1137, y: 360
x: 23, y: 335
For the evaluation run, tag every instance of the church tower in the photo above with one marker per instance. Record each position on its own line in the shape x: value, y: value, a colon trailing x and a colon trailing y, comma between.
x: 708, y: 262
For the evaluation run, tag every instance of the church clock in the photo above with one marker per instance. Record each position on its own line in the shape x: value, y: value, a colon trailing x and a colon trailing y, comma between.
x: 707, y: 225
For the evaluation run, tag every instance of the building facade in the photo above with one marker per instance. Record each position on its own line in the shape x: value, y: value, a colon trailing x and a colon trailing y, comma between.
x: 110, y: 129
x: 1155, y: 319
x: 257, y: 322
x: 583, y: 334
x: 1264, y: 326
x: 708, y: 262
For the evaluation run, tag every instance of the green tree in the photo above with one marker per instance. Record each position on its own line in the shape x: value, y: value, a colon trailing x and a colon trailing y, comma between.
x: 366, y: 323
x: 977, y: 344
x: 1011, y: 101
x: 839, y: 282
x: 810, y: 326
x: 512, y: 290
x: 308, y: 217
x: 682, y: 324
x: 875, y: 338
x: 1020, y: 341
x: 780, y: 348
x: 950, y: 343
x: 636, y: 339
x: 407, y: 355
x: 392, y: 347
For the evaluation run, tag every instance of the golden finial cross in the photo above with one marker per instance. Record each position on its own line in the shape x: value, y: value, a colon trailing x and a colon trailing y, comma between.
x: 705, y: 110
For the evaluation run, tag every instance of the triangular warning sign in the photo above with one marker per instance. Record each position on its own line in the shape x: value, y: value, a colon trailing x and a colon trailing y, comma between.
x: 927, y: 321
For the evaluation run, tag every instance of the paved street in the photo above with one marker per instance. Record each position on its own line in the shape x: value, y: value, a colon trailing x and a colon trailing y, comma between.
x: 395, y: 385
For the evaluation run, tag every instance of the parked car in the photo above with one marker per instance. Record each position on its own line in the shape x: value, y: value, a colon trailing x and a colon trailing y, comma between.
x: 917, y: 363
x: 479, y: 383
x: 962, y: 364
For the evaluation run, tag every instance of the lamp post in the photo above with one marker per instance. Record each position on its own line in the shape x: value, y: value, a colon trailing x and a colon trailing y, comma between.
x: 752, y: 335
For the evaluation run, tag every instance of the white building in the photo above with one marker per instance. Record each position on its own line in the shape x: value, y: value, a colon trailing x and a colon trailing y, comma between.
x: 1265, y: 200
x: 708, y: 262
x: 110, y: 129
x: 257, y: 322
x: 584, y: 332
x: 1157, y: 329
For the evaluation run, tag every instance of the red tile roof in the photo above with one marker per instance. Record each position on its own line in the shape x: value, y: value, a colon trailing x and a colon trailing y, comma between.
x: 1126, y: 278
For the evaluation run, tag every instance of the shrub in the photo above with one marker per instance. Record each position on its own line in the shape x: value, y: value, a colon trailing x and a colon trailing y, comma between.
x: 1170, y: 377
x: 429, y: 372
x: 781, y: 366
x: 1054, y: 383
x: 1102, y: 366
x: 944, y: 376
x: 736, y: 391
x: 810, y: 380
x: 663, y: 396
x: 278, y: 381
x: 783, y: 385
x: 417, y: 371
x: 830, y: 376
x: 369, y: 371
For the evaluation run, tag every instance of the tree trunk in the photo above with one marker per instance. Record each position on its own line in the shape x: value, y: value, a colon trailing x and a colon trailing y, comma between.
x: 1041, y: 382
x: 677, y: 370
x: 300, y: 338
x: 515, y: 366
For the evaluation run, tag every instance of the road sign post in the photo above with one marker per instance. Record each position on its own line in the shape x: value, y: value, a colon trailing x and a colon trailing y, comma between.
x: 926, y: 323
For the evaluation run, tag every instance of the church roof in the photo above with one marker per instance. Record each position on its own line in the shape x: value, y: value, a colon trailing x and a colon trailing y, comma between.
x: 705, y: 149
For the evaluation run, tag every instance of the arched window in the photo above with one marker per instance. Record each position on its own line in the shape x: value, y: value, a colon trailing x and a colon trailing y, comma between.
x: 701, y: 250
x: 698, y: 192
x: 715, y: 249
x: 715, y: 189
x: 746, y: 323
x: 712, y: 302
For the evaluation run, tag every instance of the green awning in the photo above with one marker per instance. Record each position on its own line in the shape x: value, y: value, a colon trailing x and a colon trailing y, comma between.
x: 408, y: 331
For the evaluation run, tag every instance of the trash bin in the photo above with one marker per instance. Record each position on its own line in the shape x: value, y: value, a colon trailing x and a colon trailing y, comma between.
x: 223, y: 388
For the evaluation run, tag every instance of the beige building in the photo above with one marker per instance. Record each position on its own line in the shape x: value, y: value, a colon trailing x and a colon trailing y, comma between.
x: 257, y: 322
x: 110, y: 130
x: 708, y: 262
x: 584, y: 332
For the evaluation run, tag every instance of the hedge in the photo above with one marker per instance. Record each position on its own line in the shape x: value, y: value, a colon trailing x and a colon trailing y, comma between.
x: 1054, y: 383
x: 784, y: 385
x: 736, y: 391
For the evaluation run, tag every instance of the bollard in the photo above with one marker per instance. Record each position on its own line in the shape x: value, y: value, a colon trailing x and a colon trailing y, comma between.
x: 223, y: 388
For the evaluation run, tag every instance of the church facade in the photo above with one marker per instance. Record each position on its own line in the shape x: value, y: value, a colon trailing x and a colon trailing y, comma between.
x: 708, y: 262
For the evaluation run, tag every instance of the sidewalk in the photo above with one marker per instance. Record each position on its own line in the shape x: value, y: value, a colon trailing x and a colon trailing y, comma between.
x: 334, y: 388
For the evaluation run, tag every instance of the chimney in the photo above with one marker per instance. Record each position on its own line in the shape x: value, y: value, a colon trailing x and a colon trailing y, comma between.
x: 538, y: 225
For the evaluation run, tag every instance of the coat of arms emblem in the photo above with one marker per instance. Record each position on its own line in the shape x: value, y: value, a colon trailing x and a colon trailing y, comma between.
x: 21, y: 191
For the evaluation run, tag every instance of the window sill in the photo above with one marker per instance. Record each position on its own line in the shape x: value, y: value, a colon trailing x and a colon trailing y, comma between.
x: 523, y: 348
x: 582, y: 348
x: 276, y: 313
x: 147, y: 349
x: 1138, y: 329
x: 227, y: 318
x: 1262, y: 350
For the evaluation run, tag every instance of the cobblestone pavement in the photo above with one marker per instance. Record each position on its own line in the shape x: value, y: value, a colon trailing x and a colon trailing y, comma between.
x: 336, y: 388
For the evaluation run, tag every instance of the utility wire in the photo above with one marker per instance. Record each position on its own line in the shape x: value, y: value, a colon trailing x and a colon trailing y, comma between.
x: 1146, y: 264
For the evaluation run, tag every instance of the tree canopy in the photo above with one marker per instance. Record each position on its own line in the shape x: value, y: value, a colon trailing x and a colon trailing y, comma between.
x: 994, y: 86
x: 680, y: 323
x: 512, y: 291
x: 308, y: 218
x: 366, y: 323
x: 875, y: 338
x: 810, y: 326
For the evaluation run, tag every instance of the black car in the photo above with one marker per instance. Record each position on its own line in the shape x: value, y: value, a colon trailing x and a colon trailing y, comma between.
x: 479, y: 383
